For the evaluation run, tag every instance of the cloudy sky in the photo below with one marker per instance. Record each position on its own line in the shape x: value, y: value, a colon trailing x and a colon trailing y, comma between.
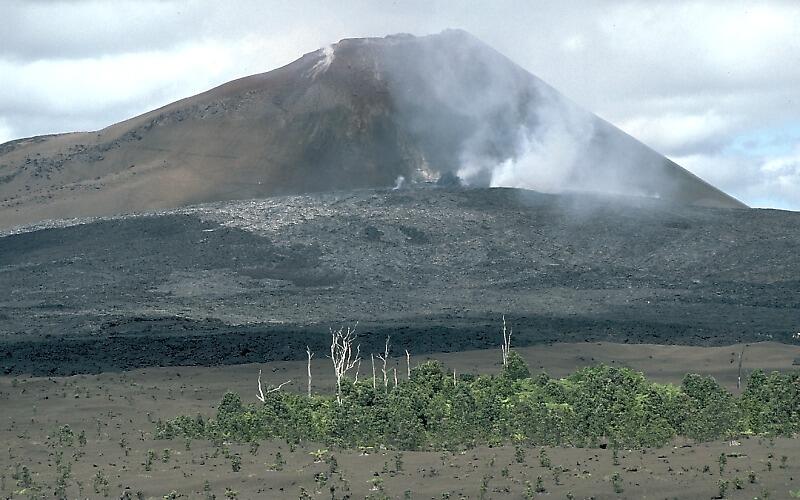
x: 712, y: 85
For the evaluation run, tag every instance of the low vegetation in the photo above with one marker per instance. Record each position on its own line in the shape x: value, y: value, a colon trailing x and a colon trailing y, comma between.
x: 433, y: 409
x: 290, y: 443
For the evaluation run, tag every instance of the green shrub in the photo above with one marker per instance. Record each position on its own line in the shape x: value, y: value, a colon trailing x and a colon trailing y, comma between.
x: 771, y: 403
x: 429, y: 411
x: 712, y: 411
x: 515, y: 368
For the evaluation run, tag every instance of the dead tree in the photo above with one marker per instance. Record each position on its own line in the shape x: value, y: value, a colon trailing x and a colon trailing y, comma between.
x: 408, y: 364
x: 395, y: 377
x: 374, y: 384
x: 342, y: 355
x: 310, y: 355
x: 739, y: 377
x: 261, y: 394
x: 383, y: 358
x: 506, y: 347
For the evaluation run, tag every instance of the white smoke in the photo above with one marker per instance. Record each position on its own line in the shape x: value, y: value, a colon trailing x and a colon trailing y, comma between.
x: 547, y: 156
x: 399, y: 182
x: 475, y: 114
x: 324, y: 63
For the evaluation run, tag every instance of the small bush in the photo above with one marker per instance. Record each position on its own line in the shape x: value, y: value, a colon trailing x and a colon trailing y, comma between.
x: 616, y: 483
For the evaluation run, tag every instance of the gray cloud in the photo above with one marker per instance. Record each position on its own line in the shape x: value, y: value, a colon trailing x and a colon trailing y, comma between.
x: 73, y: 29
x: 691, y: 79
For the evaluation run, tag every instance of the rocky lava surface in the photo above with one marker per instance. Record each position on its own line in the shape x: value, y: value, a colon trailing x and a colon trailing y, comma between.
x: 258, y: 280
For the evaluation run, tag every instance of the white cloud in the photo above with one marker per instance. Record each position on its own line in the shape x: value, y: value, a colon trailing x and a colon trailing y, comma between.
x: 574, y: 43
x: 77, y: 29
x: 6, y: 133
x: 681, y: 132
x: 93, y: 84
x: 761, y: 181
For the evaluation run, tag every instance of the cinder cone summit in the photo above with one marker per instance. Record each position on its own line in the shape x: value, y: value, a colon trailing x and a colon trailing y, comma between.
x: 357, y: 114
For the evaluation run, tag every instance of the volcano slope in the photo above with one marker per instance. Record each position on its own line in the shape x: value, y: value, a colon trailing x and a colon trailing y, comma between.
x: 258, y: 280
x: 357, y: 114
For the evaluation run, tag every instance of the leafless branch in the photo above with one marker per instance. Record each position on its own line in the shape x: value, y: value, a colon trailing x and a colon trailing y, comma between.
x: 374, y: 384
x: 261, y: 395
x: 506, y: 347
x: 310, y: 355
x: 342, y: 355
x: 384, y: 357
x: 739, y: 377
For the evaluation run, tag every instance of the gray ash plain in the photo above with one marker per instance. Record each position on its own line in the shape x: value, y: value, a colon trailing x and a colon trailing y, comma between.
x: 258, y: 280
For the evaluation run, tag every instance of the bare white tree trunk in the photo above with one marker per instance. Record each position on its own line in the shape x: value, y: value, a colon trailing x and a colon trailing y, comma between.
x: 342, y: 355
x: 506, y: 347
x: 454, y: 377
x: 310, y: 355
x: 739, y: 377
x: 358, y: 370
x: 408, y: 364
x: 383, y: 358
x: 374, y: 384
x: 261, y: 395
x: 395, y: 377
